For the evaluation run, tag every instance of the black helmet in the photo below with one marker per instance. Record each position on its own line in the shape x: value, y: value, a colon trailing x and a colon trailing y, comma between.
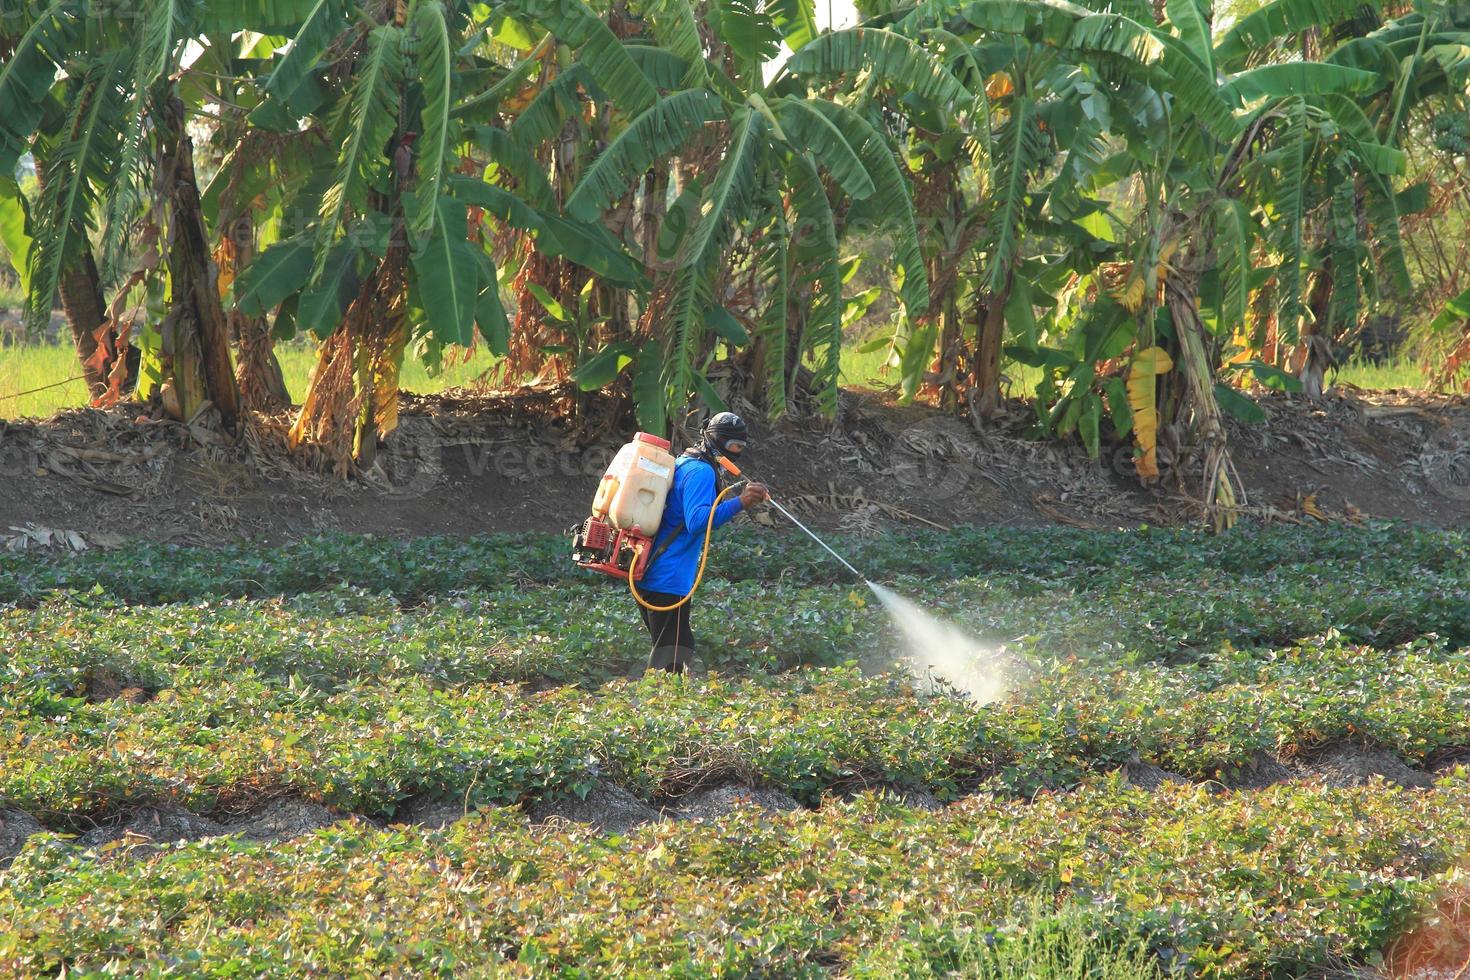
x: 725, y: 432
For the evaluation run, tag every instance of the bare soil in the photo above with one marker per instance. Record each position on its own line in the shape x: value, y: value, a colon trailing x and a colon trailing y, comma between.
x: 468, y: 464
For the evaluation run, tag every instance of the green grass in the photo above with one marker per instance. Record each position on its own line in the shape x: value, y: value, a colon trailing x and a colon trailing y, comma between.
x: 25, y: 368
x: 1396, y: 373
x: 29, y: 367
x: 12, y: 297
x: 869, y: 370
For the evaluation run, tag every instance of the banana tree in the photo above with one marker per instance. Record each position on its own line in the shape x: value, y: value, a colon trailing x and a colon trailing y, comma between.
x: 119, y: 142
x: 1209, y: 171
x: 748, y: 250
x: 392, y: 172
x: 1020, y: 221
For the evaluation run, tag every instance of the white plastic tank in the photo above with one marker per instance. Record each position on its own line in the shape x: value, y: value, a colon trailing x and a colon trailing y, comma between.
x: 634, y: 488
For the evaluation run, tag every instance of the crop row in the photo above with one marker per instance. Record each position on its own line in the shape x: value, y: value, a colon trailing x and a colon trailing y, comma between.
x: 587, y: 634
x: 412, y: 569
x: 1228, y: 885
x: 212, y: 741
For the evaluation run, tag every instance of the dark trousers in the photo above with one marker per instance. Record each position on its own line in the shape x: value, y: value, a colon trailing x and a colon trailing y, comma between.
x: 673, y: 640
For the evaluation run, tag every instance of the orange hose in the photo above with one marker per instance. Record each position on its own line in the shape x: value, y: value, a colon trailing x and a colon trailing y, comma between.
x: 709, y: 529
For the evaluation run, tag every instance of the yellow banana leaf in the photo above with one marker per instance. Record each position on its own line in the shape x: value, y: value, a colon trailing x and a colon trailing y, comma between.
x: 1147, y: 364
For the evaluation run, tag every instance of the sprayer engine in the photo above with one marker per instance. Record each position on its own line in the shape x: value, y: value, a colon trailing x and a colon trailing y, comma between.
x: 627, y: 510
x: 600, y: 547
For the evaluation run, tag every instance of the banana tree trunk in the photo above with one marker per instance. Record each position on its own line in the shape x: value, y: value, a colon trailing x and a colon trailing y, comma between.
x: 651, y: 211
x: 351, y: 401
x: 987, y: 351
x: 1316, y: 345
x: 257, y: 372
x: 196, y: 355
x: 1222, y: 492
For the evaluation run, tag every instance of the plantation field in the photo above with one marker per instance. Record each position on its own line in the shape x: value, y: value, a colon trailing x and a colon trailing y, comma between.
x: 1231, y: 756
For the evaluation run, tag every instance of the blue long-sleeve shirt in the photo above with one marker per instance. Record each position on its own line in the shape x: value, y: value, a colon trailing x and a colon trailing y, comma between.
x: 691, y: 497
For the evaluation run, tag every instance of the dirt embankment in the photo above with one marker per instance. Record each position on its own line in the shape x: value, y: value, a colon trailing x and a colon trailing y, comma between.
x: 473, y: 464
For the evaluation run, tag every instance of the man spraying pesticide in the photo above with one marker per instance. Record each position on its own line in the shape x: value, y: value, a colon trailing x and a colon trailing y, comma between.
x: 652, y: 521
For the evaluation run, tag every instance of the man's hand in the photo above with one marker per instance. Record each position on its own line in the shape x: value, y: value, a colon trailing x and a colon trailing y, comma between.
x: 754, y: 493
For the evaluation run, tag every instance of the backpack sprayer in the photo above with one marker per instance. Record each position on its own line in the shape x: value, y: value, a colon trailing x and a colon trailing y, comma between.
x: 628, y: 508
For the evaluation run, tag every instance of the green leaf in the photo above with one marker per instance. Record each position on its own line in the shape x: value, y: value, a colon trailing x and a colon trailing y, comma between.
x: 1022, y: 147
x: 914, y: 358
x: 317, y: 31
x: 1118, y: 408
x: 893, y: 57
x: 648, y: 389
x: 513, y: 158
x: 773, y: 264
x: 821, y: 265
x: 1294, y: 78
x: 808, y: 130
x: 655, y: 135
x: 677, y: 32
x: 1190, y: 20
x: 490, y: 316
x: 13, y: 230
x: 1238, y: 405
x: 664, y: 69
x: 707, y: 393
x: 729, y: 197
x: 601, y: 368
x: 321, y: 305
x: 597, y: 48
x: 282, y: 269
x: 447, y: 275
x: 27, y: 73
x: 891, y: 199
x: 1454, y: 317
x: 1278, y: 19
x: 720, y: 320
x: 80, y: 163
x: 431, y: 50
x: 1047, y: 21
x: 1362, y: 135
x: 548, y: 302
x: 1041, y: 357
x: 1191, y: 87
x: 584, y: 243
x: 369, y: 120
x: 1088, y: 422
x: 748, y: 32
x: 1234, y: 239
x: 1273, y: 377
x: 1413, y: 199
x: 512, y: 33
x: 796, y: 20
x: 1291, y: 198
